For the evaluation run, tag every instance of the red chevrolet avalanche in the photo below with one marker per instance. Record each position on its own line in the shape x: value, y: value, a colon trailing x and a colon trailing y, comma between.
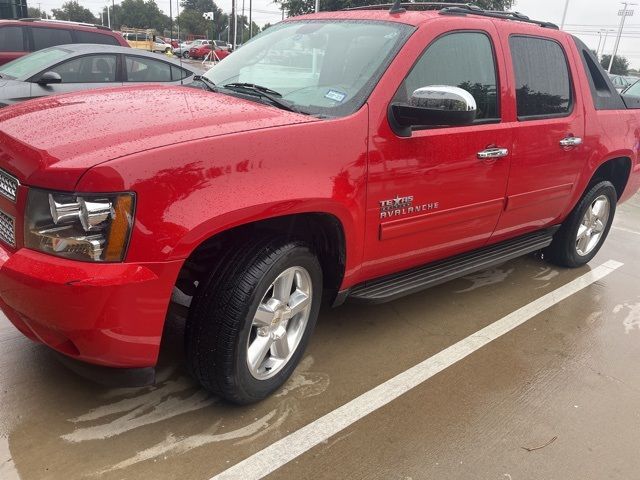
x: 344, y: 156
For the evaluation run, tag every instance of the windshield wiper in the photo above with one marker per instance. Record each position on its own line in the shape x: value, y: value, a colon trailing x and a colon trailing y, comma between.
x: 253, y: 86
x: 271, y: 95
x: 208, y: 83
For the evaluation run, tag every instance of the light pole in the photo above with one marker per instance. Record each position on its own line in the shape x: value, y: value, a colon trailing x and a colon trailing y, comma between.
x: 604, y: 40
x: 108, y: 17
x: 318, y: 5
x: 564, y: 14
x: 623, y: 13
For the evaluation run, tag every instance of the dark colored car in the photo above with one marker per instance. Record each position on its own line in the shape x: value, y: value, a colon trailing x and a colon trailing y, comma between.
x: 20, y: 37
x: 69, y: 68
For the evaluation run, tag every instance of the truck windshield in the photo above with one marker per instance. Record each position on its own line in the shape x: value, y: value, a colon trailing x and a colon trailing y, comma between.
x: 325, y: 68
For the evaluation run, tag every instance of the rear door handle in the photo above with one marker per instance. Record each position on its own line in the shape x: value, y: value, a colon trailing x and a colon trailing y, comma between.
x: 493, y: 153
x: 571, y: 142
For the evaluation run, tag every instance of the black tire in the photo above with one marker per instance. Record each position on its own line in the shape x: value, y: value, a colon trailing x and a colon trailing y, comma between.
x: 564, y: 251
x: 185, y: 55
x: 167, y: 50
x: 221, y: 316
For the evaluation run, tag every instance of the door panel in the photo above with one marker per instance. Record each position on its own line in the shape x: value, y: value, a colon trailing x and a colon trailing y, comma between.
x: 430, y: 196
x: 543, y: 172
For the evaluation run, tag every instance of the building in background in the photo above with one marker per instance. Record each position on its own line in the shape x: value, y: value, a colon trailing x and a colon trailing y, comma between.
x: 13, y: 9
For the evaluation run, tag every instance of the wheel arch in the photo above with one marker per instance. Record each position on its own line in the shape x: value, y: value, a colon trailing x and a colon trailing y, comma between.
x: 616, y: 169
x: 324, y: 232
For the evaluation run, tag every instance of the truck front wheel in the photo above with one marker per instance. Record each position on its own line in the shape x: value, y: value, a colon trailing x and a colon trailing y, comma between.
x: 251, y: 320
x: 583, y: 233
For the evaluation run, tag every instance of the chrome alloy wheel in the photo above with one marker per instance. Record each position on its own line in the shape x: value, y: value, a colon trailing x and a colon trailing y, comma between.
x: 593, y: 224
x: 279, y: 323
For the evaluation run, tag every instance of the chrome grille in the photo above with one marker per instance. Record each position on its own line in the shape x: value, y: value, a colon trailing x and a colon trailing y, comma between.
x: 7, y: 229
x: 8, y: 185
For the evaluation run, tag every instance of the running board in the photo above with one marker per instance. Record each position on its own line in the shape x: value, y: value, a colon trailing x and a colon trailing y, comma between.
x: 404, y: 283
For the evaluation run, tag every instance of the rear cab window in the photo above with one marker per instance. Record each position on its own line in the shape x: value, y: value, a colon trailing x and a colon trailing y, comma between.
x: 82, y: 36
x: 543, y: 81
x: 12, y: 39
x: 44, y: 37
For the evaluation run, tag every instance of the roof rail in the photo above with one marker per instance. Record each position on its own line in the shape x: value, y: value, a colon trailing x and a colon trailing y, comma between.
x: 64, y: 22
x: 454, y: 9
x: 410, y: 6
x: 473, y: 10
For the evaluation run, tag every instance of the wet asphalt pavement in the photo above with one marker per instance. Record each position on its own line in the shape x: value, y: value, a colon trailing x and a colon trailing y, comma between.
x: 565, y: 380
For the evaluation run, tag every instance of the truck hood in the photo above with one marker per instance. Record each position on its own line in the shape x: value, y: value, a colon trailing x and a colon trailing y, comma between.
x: 51, y: 142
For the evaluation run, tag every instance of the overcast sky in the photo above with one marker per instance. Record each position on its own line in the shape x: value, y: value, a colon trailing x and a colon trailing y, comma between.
x: 584, y: 19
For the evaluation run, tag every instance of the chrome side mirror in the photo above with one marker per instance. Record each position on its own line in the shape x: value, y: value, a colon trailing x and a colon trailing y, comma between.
x: 435, y: 105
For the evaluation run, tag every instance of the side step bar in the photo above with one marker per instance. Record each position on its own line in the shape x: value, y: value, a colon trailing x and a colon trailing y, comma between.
x: 404, y: 283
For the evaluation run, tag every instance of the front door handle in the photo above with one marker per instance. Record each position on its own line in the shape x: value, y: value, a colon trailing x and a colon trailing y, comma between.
x: 571, y: 142
x: 493, y: 153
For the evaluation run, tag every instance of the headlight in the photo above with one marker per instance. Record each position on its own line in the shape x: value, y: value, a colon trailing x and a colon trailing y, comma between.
x: 92, y: 228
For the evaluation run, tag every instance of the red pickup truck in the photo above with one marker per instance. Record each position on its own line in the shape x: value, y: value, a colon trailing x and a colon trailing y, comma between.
x: 358, y: 155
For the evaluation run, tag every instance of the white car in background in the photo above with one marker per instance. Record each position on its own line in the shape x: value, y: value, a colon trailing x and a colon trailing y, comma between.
x: 183, y: 49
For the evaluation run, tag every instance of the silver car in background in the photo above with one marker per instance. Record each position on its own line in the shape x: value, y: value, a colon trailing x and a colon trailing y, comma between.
x: 69, y: 68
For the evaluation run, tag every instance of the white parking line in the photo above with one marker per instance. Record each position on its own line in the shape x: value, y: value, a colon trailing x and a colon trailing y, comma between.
x: 292, y: 446
x: 628, y: 230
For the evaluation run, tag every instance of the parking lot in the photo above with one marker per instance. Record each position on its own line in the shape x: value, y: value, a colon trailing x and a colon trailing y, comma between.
x: 564, y: 380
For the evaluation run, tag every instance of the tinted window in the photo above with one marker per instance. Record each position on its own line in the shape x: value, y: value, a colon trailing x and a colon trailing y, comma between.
x: 11, y: 39
x: 50, y: 37
x: 543, y: 86
x: 463, y: 60
x: 93, y: 37
x: 178, y: 73
x: 634, y: 89
x: 89, y: 69
x: 140, y: 69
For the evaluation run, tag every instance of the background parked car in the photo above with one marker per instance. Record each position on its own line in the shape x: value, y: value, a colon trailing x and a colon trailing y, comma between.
x: 187, y: 46
x: 621, y: 82
x: 146, y: 40
x: 68, y: 68
x: 202, y: 51
x: 20, y: 37
x: 223, y: 45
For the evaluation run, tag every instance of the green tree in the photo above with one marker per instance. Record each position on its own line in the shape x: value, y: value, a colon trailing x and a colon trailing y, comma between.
x: 74, y: 12
x: 139, y: 14
x: 620, y: 64
x: 35, y: 12
x: 300, y: 7
x: 191, y: 21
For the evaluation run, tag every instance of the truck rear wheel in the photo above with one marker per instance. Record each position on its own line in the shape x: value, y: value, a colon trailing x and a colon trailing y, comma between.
x: 251, y: 320
x: 583, y: 233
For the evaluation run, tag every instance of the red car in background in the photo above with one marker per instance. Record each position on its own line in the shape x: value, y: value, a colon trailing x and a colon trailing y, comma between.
x: 201, y: 51
x: 19, y: 37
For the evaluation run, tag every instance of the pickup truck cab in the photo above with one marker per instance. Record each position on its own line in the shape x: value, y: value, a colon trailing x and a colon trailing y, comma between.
x: 342, y: 156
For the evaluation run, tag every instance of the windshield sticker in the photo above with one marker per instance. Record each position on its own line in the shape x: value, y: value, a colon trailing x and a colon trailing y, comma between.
x: 335, y: 95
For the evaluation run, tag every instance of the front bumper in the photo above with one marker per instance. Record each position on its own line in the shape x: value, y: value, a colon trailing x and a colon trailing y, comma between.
x: 109, y: 314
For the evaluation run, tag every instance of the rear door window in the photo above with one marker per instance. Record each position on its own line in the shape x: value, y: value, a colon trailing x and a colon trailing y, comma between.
x: 50, y: 37
x: 12, y: 39
x: 94, y: 37
x: 178, y: 73
x: 141, y: 69
x: 543, y: 84
x: 88, y: 69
